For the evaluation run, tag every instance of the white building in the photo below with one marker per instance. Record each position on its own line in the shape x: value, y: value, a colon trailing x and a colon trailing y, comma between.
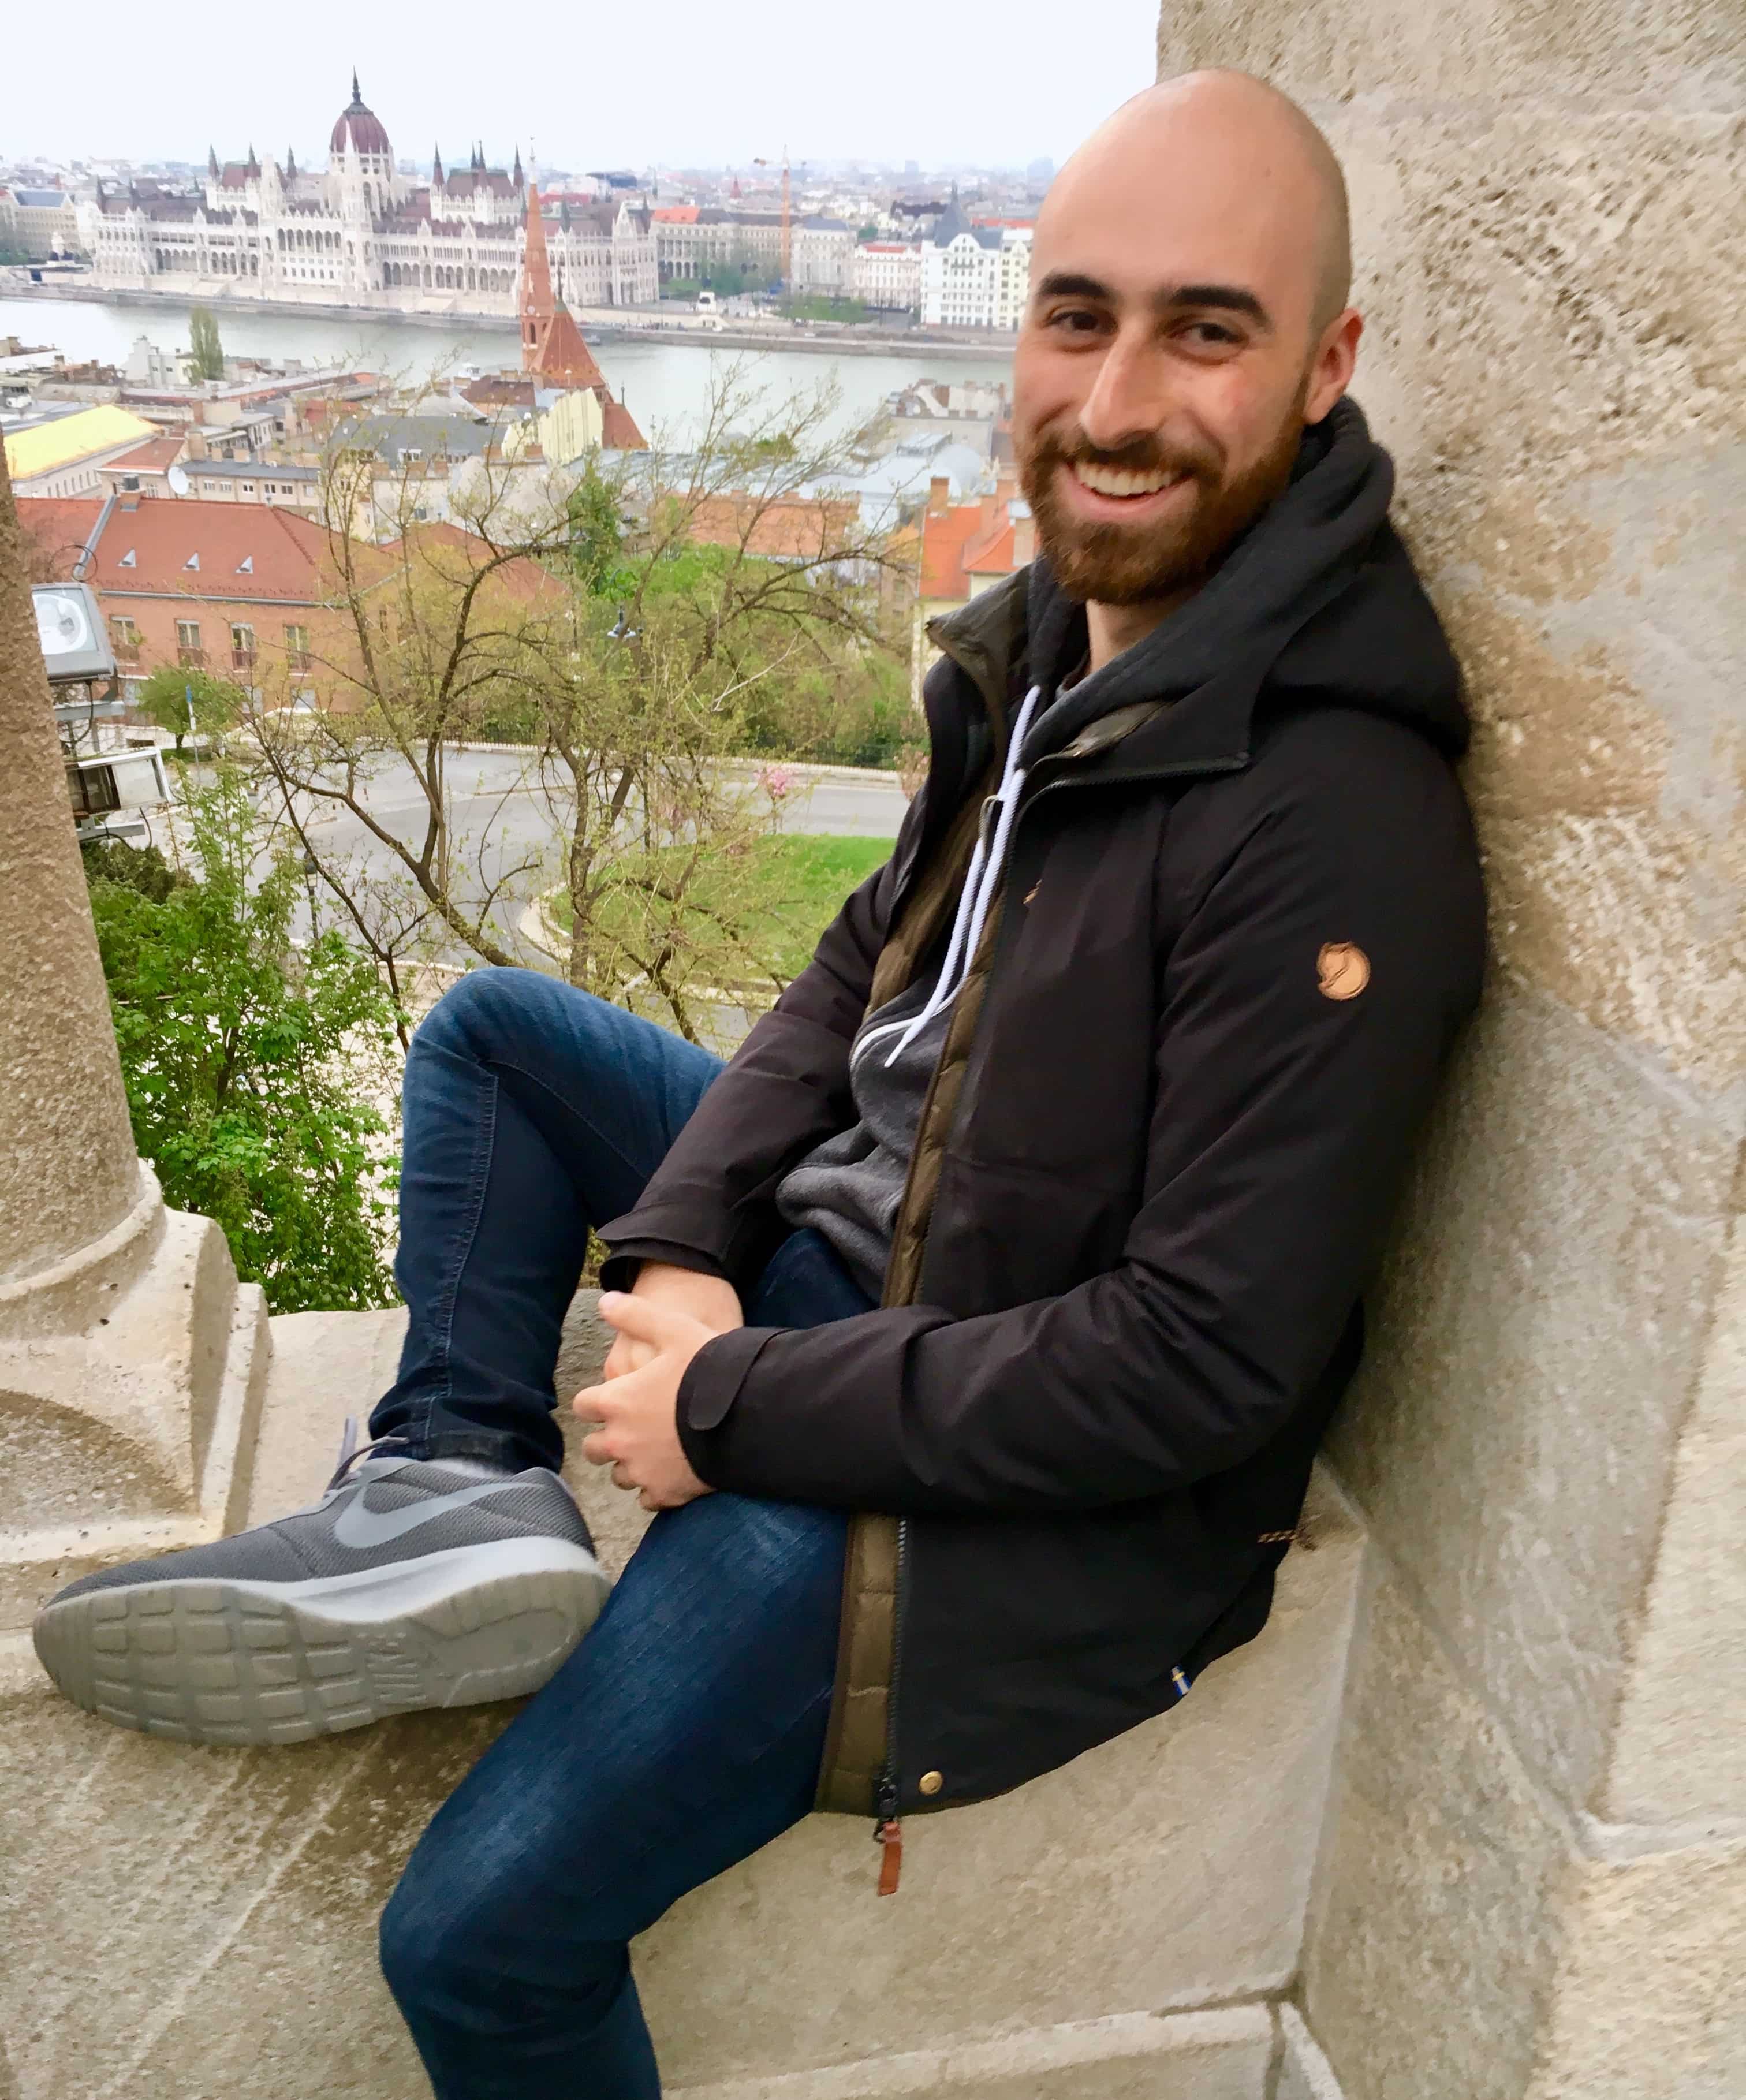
x: 888, y: 273
x: 973, y: 276
x: 360, y: 234
x: 38, y: 223
x: 693, y: 241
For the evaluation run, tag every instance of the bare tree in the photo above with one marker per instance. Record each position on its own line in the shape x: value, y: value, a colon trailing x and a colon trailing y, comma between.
x: 633, y: 622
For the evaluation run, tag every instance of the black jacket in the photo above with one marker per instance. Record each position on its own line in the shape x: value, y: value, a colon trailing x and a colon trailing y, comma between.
x: 1242, y: 924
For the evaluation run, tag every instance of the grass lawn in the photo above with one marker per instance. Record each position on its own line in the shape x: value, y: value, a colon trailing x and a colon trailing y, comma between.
x: 810, y: 875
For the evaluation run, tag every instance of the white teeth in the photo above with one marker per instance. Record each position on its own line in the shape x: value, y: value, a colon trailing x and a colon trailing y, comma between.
x: 1117, y: 481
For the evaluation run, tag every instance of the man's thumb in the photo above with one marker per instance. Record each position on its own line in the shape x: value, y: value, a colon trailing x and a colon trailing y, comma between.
x: 638, y: 1317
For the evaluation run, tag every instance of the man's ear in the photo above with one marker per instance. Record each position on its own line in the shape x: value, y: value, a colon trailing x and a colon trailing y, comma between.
x: 1332, y: 366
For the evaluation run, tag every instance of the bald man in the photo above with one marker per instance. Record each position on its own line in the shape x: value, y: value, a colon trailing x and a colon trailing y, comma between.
x: 977, y: 1324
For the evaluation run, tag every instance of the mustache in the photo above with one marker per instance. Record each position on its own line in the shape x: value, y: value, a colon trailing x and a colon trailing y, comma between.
x: 1143, y: 453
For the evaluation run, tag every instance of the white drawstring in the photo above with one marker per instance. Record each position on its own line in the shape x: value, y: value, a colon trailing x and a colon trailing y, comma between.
x: 982, y: 880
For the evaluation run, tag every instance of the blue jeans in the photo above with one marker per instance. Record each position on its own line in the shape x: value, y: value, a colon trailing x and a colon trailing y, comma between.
x: 688, y: 1727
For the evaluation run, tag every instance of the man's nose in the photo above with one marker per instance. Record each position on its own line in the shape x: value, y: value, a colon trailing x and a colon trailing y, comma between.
x: 1126, y: 399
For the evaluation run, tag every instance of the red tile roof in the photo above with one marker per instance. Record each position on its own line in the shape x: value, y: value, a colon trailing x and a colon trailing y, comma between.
x: 236, y: 551
x: 966, y: 540
x: 619, y: 431
x: 945, y: 537
x: 156, y: 456
x: 56, y: 528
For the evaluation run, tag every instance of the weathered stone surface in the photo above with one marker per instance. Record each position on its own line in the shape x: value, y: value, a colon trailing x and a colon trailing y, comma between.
x: 1222, y: 2055
x: 1649, y: 2004
x: 132, y: 1376
x: 71, y: 1173
x: 1464, y: 49
x: 1304, y: 2071
x: 1433, y: 1937
x: 1534, y: 1341
x: 1680, y: 1750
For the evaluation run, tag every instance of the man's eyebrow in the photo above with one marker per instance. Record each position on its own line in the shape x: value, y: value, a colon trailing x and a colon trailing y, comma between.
x: 1070, y: 283
x: 1225, y: 299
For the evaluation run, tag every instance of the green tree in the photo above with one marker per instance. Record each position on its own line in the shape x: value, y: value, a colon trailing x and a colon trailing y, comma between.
x: 205, y: 352
x: 250, y: 1065
x: 174, y: 695
x: 596, y: 537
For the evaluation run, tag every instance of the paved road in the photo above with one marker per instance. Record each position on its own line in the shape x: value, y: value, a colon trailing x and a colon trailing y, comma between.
x: 500, y: 815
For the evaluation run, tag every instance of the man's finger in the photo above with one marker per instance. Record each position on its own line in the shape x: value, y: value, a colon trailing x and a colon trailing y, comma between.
x: 594, y: 1449
x: 642, y: 1319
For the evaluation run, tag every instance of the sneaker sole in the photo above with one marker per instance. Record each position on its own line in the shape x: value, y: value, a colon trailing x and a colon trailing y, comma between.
x: 211, y: 1660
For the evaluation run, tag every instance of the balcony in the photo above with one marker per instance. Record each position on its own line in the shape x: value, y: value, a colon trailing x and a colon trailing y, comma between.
x: 242, y: 660
x: 190, y: 657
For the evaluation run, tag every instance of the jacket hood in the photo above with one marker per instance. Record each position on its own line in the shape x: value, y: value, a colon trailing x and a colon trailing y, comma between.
x: 1318, y: 601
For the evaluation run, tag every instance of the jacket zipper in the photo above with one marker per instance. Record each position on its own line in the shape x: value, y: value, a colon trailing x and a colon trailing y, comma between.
x: 888, y: 1826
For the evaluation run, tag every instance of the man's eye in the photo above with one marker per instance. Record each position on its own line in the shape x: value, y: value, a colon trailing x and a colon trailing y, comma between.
x: 1213, y: 334
x: 1076, y: 320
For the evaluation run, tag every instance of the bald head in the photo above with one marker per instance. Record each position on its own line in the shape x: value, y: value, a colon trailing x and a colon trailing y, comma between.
x: 1221, y: 145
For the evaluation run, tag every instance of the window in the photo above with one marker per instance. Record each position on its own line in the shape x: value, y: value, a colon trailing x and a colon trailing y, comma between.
x: 125, y: 636
x: 242, y: 646
x: 297, y: 647
x: 92, y: 790
x: 188, y: 650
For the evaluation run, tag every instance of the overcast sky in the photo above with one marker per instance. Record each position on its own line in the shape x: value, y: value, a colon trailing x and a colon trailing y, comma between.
x: 670, y: 81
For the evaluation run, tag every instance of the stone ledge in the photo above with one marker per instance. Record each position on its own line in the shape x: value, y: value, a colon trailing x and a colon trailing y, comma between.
x: 1217, y: 2055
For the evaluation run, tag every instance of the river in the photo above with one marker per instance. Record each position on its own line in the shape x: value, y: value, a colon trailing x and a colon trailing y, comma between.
x: 664, y: 385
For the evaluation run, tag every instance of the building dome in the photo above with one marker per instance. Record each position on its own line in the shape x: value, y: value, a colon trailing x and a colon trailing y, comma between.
x: 360, y: 128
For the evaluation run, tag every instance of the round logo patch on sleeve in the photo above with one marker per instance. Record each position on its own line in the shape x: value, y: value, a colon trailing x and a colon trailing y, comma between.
x: 1342, y: 969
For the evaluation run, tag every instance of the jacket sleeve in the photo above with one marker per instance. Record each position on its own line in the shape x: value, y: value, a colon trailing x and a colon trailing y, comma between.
x: 711, y: 1204
x: 1282, y: 1123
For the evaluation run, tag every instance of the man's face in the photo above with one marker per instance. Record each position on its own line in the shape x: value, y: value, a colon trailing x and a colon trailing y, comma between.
x: 1168, y: 361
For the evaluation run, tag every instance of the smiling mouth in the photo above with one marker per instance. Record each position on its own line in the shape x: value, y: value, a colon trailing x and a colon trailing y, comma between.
x: 1123, y: 483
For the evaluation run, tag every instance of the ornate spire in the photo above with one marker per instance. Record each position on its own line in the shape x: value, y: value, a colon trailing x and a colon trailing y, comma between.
x: 357, y: 98
x: 255, y: 166
x: 290, y: 164
x: 518, y: 177
x: 437, y: 176
x: 537, y: 283
x: 212, y: 160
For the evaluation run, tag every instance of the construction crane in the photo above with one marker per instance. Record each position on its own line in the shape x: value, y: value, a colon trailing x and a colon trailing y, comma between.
x: 787, y: 232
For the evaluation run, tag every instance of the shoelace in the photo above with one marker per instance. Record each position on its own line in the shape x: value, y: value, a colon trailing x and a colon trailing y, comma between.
x: 351, y: 1451
x: 981, y: 880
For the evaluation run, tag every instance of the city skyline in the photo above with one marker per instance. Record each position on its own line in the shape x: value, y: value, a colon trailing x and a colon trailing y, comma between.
x: 753, y: 82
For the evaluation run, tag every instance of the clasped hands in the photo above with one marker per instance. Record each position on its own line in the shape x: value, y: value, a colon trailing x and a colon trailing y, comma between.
x: 661, y: 1325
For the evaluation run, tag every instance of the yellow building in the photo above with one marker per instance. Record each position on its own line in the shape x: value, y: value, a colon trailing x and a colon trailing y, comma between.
x: 63, y: 457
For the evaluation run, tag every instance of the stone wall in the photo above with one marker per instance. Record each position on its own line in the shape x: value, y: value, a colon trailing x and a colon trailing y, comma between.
x: 1533, y: 1882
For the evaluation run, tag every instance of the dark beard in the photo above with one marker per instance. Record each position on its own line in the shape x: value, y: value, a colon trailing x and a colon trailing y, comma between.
x: 1111, y: 564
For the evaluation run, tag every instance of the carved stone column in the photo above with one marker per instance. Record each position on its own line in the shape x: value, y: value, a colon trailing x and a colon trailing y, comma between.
x: 131, y: 1362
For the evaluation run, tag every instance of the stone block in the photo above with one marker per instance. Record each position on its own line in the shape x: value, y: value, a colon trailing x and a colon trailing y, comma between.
x: 1433, y: 1937
x: 1304, y: 2072
x: 1539, y: 1327
x: 1381, y: 51
x: 1679, y: 1753
x: 1649, y: 2004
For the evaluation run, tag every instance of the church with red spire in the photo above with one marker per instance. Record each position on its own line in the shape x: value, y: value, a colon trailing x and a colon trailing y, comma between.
x: 554, y: 353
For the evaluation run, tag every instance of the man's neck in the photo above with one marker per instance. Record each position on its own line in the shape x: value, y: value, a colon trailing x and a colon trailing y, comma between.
x: 1112, y: 628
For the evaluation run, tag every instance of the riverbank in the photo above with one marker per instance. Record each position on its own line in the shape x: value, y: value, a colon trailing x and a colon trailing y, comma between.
x: 598, y: 324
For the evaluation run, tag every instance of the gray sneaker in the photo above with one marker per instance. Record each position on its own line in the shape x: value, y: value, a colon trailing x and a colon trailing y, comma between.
x: 412, y: 1583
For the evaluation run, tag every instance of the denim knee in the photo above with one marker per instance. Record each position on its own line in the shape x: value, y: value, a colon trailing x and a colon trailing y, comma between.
x: 473, y: 1012
x: 459, y: 1961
